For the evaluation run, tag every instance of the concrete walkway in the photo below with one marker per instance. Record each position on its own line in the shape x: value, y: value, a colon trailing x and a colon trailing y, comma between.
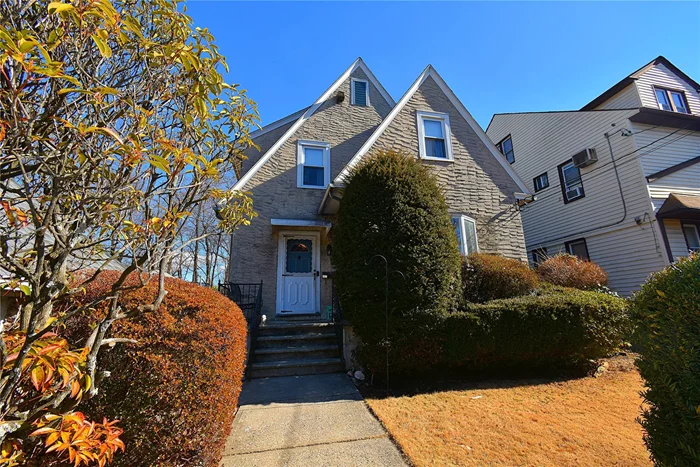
x: 317, y: 420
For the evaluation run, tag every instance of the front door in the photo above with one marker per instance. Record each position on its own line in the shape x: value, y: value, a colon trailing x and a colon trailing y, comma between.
x: 298, y: 274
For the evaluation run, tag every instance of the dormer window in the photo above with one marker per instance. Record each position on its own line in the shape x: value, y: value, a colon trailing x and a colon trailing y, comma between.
x: 359, y: 92
x: 313, y: 164
x: 506, y: 148
x: 672, y: 101
x: 434, y: 136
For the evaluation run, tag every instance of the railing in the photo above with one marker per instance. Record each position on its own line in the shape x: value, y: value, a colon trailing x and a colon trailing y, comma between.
x: 248, y: 297
x: 338, y: 323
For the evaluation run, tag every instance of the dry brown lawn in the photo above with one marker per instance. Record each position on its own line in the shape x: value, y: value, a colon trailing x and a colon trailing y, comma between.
x: 581, y: 422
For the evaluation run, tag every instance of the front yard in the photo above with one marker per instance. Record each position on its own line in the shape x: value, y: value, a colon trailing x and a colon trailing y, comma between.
x: 584, y: 421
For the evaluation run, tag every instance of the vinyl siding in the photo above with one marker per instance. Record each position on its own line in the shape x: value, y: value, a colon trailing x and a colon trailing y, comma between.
x: 680, y: 147
x: 661, y: 76
x: 628, y: 98
x: 543, y: 141
x: 676, y: 239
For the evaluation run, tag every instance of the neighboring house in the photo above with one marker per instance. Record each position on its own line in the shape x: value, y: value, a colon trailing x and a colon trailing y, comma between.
x: 296, y: 181
x: 617, y: 182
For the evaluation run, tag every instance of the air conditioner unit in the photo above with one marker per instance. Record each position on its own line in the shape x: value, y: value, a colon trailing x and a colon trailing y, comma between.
x: 585, y: 158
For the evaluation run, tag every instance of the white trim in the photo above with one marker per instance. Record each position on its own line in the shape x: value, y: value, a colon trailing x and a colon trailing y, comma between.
x: 301, y: 223
x: 464, y: 246
x: 281, y: 254
x: 326, y: 147
x: 444, y: 119
x: 352, y: 91
x: 276, y: 124
x: 359, y: 63
x: 430, y: 71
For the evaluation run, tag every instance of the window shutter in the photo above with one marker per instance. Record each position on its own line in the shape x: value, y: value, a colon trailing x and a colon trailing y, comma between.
x: 360, y: 93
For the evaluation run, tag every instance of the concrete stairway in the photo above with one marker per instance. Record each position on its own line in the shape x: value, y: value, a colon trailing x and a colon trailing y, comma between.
x: 295, y: 347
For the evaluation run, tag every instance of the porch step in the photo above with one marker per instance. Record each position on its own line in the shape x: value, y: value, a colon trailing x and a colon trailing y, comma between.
x: 278, y: 328
x: 273, y: 354
x: 296, y: 340
x: 296, y: 367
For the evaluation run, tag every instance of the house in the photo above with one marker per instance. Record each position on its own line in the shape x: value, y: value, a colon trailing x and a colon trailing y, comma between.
x: 296, y: 180
x: 616, y: 182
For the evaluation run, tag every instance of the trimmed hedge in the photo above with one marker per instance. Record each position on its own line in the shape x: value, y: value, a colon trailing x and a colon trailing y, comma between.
x: 392, y: 206
x: 572, y: 271
x: 176, y: 390
x: 556, y: 327
x: 667, y: 314
x: 490, y: 277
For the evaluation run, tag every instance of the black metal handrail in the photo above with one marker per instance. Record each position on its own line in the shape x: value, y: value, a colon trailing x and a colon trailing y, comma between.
x: 338, y: 323
x: 248, y: 297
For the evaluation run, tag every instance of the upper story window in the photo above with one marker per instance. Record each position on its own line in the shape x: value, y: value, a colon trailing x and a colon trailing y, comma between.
x: 571, y: 184
x: 541, y: 182
x: 465, y: 228
x: 692, y: 239
x: 578, y: 248
x: 313, y: 164
x: 673, y: 101
x: 506, y: 148
x: 359, y: 92
x: 434, y: 136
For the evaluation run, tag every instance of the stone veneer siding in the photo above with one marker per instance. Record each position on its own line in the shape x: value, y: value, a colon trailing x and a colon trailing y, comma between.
x: 276, y: 195
x: 475, y: 183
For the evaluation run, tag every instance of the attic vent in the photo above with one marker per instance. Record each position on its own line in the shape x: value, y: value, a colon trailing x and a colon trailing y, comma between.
x: 585, y: 158
x: 360, y: 92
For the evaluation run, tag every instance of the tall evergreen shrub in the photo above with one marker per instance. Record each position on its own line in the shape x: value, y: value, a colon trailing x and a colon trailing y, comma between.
x: 392, y: 206
x: 667, y: 315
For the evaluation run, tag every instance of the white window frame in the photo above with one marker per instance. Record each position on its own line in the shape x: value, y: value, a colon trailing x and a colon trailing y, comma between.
x: 352, y: 90
x: 326, y: 147
x: 445, y: 120
x: 463, y: 247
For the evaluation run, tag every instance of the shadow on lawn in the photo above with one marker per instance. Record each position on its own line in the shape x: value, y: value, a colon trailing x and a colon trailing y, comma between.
x: 504, y: 378
x: 457, y: 381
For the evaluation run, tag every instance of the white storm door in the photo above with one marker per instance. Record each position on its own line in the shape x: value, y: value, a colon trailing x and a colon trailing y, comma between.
x: 298, y: 266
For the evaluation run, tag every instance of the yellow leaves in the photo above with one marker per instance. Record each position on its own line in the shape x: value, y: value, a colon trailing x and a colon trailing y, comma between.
x: 59, y: 7
x: 100, y: 40
x: 160, y: 163
x: 660, y: 293
x: 11, y: 454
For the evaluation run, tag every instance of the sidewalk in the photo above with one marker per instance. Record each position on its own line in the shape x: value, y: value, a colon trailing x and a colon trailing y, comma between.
x: 318, y: 420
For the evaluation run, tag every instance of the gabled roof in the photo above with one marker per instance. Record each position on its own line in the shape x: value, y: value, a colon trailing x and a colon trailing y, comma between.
x: 430, y: 72
x: 308, y: 112
x: 277, y: 123
x: 632, y: 77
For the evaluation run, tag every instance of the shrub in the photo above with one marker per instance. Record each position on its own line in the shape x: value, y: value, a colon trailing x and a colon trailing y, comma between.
x: 666, y: 313
x: 558, y: 327
x: 392, y: 206
x: 176, y: 389
x: 489, y: 277
x: 571, y: 271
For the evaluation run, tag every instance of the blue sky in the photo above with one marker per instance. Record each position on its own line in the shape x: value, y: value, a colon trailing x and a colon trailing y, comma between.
x: 497, y: 57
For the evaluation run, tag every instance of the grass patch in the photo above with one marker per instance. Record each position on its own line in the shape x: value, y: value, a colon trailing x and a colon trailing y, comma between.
x: 544, y: 422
